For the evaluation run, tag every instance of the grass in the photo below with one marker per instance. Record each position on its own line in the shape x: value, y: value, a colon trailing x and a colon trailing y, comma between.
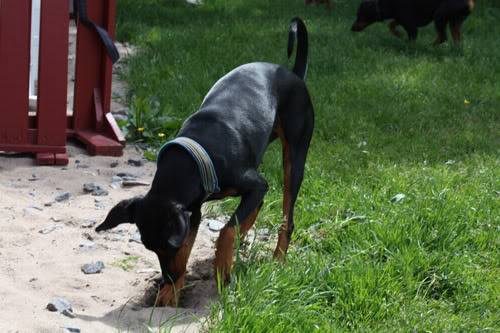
x: 390, y: 118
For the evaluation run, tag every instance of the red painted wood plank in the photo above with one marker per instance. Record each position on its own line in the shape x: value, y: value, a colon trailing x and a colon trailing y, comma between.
x: 53, y: 73
x: 90, y: 57
x: 30, y: 148
x: 15, y: 26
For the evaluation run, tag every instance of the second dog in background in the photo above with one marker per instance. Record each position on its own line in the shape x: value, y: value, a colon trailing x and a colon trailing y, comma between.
x: 412, y: 14
x: 318, y: 2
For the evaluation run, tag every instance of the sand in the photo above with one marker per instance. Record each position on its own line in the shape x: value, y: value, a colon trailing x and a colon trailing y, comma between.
x: 37, y: 267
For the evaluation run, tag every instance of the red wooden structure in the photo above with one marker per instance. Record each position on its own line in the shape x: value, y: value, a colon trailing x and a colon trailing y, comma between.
x: 45, y: 133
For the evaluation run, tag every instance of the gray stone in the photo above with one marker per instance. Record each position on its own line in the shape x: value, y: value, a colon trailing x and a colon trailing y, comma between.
x: 135, y: 162
x: 95, y: 189
x: 62, y: 197
x: 88, y: 223
x: 93, y: 268
x: 59, y: 305
x: 126, y: 174
x: 136, y: 237
x: 49, y: 229
x: 87, y: 245
x: 133, y: 183
x: 215, y: 225
x: 398, y: 198
x: 114, y: 164
x: 72, y: 329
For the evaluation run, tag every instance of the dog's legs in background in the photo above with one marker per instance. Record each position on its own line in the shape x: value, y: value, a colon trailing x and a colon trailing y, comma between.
x: 254, y: 187
x: 169, y: 294
x: 393, y: 29
x: 412, y: 32
x: 456, y: 27
x: 440, y: 21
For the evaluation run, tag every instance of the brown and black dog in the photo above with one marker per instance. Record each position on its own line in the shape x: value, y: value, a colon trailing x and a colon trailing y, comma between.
x: 412, y: 14
x: 240, y: 116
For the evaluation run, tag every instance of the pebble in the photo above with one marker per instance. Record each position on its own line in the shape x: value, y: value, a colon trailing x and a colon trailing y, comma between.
x: 72, y: 329
x: 88, y: 223
x: 48, y: 230
x: 126, y: 175
x: 93, y: 268
x: 135, y: 162
x: 95, y: 189
x: 136, y: 237
x: 398, y: 198
x: 33, y: 178
x: 132, y: 183
x: 114, y: 164
x: 62, y: 197
x: 215, y: 225
x: 87, y: 245
x: 62, y: 306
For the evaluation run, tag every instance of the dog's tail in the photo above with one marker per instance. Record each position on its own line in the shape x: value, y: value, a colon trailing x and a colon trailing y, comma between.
x: 298, y: 31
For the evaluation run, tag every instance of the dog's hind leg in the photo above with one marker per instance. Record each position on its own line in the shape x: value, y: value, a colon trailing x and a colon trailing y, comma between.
x: 253, y: 188
x: 295, y: 146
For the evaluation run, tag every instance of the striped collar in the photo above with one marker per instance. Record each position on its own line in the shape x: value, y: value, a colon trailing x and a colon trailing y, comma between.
x: 202, y: 159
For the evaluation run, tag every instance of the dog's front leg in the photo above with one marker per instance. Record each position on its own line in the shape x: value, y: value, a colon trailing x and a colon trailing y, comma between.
x: 170, y: 292
x: 254, y: 187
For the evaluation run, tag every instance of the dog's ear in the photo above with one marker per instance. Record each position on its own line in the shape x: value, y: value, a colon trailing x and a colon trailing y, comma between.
x: 180, y: 227
x: 123, y: 212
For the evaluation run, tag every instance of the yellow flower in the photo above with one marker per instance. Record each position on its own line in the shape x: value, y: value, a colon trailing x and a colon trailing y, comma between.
x: 161, y: 135
x: 466, y: 101
x: 140, y: 129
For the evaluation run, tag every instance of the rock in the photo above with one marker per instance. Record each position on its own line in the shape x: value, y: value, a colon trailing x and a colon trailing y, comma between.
x: 95, y: 189
x: 60, y: 305
x: 87, y: 245
x: 93, y: 268
x: 126, y: 175
x: 48, y: 230
x: 72, y: 329
x: 33, y: 178
x: 114, y: 164
x: 135, y: 162
x: 100, y: 205
x: 398, y: 198
x: 136, y: 237
x: 132, y: 183
x: 55, y: 219
x: 62, y: 197
x: 88, y: 223
x: 82, y: 166
x: 49, y: 204
x: 215, y: 225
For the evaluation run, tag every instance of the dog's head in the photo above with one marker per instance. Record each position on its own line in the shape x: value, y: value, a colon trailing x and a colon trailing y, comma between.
x: 368, y: 13
x: 163, y: 226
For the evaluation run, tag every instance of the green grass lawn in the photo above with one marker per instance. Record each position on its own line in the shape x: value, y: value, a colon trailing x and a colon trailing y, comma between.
x: 390, y: 118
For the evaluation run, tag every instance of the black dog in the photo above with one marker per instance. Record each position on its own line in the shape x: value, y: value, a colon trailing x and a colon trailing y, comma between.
x: 411, y: 14
x: 242, y: 113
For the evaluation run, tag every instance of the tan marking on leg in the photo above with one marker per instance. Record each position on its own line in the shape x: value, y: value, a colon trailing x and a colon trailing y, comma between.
x: 456, y: 31
x: 393, y: 29
x: 169, y: 294
x: 224, y: 253
x: 282, y: 245
x: 248, y: 223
